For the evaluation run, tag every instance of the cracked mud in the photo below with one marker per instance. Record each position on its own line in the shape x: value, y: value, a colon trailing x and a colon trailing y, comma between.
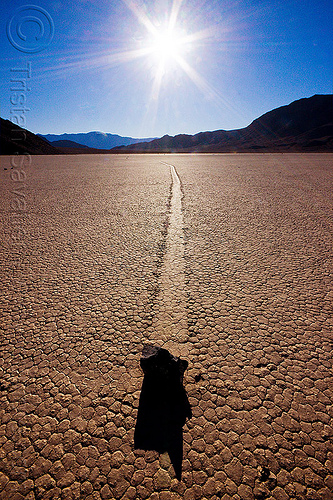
x: 225, y: 260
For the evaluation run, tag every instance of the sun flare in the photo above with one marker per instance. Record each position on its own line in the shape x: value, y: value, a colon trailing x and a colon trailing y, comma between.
x: 166, y: 46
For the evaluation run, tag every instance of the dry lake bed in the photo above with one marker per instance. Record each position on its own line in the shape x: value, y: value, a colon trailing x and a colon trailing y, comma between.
x: 225, y: 260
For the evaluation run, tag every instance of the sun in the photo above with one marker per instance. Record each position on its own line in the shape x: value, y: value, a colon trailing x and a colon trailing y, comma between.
x: 166, y: 46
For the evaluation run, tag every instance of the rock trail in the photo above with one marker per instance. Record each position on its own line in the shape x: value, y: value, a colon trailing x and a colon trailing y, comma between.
x: 169, y: 327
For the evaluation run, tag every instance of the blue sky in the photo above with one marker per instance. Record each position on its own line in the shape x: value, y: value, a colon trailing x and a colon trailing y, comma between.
x: 225, y: 63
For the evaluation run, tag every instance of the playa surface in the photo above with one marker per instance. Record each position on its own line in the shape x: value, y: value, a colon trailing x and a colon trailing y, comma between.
x: 225, y: 260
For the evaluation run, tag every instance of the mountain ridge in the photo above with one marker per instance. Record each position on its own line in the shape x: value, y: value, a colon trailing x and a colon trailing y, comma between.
x: 64, y: 143
x: 95, y: 139
x: 15, y: 140
x: 301, y: 126
x: 290, y: 127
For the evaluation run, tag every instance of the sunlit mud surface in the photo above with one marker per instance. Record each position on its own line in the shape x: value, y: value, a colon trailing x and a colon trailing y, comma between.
x: 225, y: 260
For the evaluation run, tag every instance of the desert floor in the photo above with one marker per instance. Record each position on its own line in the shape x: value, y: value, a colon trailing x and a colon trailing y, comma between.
x: 225, y: 260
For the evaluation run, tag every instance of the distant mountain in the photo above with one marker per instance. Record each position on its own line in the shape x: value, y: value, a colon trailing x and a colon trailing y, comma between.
x: 303, y: 125
x: 16, y: 140
x: 97, y: 140
x: 68, y: 144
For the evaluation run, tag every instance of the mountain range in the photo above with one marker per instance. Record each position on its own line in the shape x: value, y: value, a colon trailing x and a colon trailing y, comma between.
x: 96, y: 140
x: 304, y: 125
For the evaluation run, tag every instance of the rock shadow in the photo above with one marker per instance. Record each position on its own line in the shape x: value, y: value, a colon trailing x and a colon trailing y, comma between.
x: 163, y: 405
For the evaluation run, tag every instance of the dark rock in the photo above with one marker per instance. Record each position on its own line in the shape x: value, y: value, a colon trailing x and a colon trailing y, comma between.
x: 163, y: 406
x: 266, y: 476
x: 263, y: 473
